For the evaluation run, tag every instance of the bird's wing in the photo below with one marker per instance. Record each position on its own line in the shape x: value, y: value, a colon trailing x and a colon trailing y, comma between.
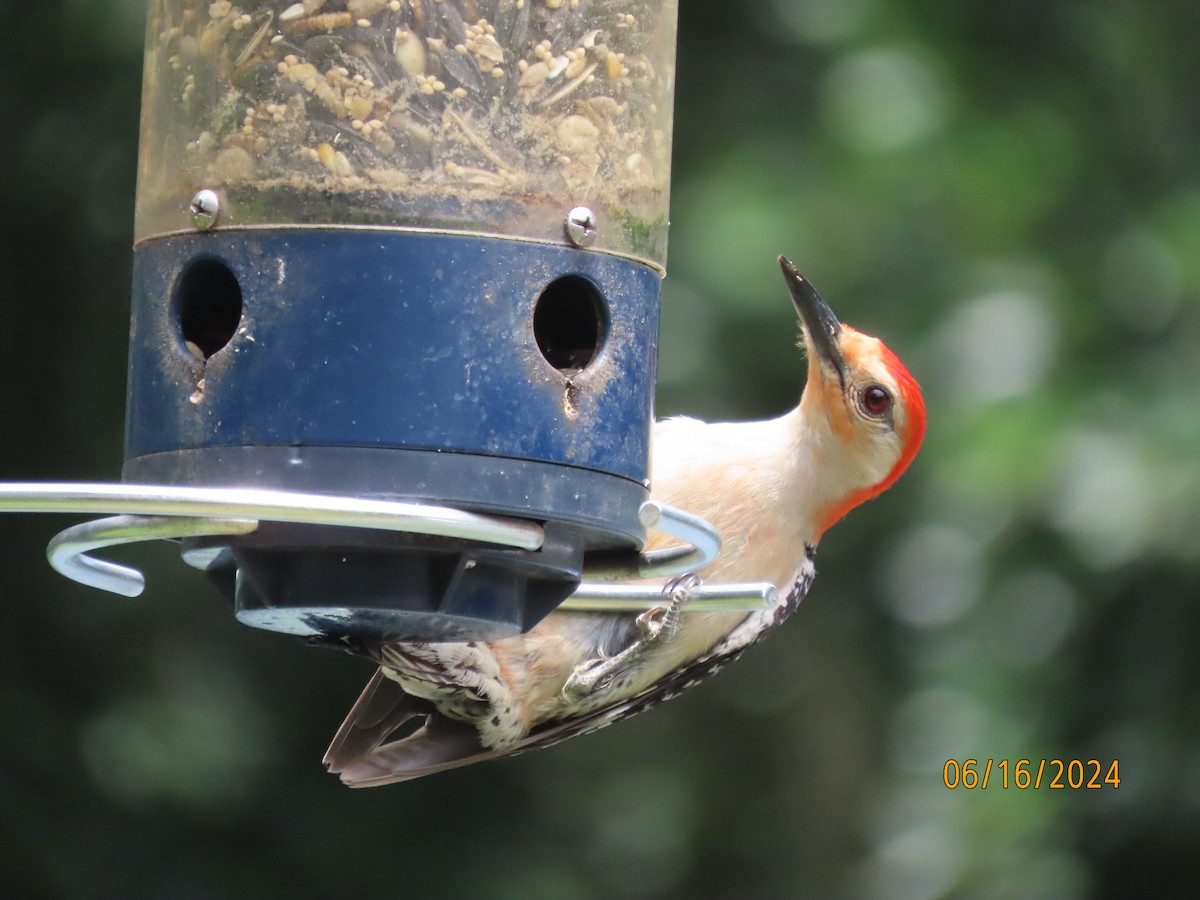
x: 363, y: 759
x: 360, y: 751
x: 382, y: 708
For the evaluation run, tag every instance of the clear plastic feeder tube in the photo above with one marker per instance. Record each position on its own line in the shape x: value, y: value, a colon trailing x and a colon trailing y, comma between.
x: 478, y: 116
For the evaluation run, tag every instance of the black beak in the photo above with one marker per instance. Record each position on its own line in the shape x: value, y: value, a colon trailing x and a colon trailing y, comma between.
x: 820, y: 324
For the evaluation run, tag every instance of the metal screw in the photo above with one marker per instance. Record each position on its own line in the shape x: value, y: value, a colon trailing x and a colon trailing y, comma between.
x: 581, y: 227
x: 205, y: 207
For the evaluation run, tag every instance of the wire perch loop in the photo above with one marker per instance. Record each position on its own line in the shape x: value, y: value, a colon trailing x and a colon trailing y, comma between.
x: 163, y: 512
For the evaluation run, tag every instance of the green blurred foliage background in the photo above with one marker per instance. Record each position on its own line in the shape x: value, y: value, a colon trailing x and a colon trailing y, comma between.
x: 1008, y: 192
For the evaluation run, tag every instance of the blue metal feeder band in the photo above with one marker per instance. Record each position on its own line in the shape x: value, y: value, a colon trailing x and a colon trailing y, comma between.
x: 508, y: 376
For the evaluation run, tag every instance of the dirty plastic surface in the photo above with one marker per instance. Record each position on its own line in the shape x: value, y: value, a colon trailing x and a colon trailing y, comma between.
x: 485, y: 116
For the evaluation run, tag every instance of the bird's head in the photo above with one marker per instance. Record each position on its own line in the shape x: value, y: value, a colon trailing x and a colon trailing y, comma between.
x: 863, y: 413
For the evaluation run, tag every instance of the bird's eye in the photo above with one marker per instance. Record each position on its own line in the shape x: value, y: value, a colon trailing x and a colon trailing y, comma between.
x: 876, y: 401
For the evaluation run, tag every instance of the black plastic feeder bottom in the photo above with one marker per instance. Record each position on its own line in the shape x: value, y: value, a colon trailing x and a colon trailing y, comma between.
x: 335, y: 584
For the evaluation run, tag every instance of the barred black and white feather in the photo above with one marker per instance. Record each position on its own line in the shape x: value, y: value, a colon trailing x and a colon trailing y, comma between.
x: 363, y: 756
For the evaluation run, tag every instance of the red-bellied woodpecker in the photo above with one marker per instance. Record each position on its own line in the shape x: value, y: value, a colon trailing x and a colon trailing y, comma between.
x: 771, y: 488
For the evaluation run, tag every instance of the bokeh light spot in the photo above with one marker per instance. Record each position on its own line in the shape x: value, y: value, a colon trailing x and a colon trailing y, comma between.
x: 1140, y: 281
x: 997, y: 345
x: 885, y: 99
x: 824, y: 21
x: 934, y: 576
x: 1032, y: 614
x: 1104, y: 498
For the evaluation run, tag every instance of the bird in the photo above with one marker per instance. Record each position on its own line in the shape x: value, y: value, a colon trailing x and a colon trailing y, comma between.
x: 772, y: 488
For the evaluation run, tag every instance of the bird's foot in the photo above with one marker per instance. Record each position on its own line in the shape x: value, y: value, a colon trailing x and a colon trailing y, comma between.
x: 596, y: 677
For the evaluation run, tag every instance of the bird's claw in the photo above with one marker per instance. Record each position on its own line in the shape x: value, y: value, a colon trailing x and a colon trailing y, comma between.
x: 598, y: 676
x: 650, y: 623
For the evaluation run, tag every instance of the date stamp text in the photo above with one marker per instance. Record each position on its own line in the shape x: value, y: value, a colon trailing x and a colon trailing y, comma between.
x: 1026, y: 774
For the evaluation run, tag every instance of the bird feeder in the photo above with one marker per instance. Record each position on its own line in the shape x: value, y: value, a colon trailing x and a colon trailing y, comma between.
x: 395, y: 309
